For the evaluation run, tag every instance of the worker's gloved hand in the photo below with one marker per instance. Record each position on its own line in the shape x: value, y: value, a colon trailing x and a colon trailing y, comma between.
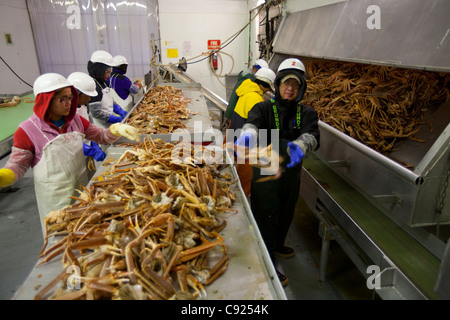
x: 114, y: 119
x: 247, y: 139
x: 125, y: 130
x: 7, y: 177
x: 296, y: 154
x: 94, y: 151
x: 118, y: 110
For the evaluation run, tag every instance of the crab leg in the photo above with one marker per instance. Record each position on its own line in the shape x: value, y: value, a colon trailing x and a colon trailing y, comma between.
x: 54, y: 254
x: 47, y: 288
x: 217, y: 274
x: 128, y: 254
x: 172, y: 262
x: 193, y: 252
x: 86, y: 244
x: 153, y: 290
x: 57, y: 245
x: 75, y: 295
x: 159, y: 281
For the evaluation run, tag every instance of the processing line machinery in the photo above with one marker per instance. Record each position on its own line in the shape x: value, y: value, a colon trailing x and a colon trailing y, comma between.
x: 392, y: 221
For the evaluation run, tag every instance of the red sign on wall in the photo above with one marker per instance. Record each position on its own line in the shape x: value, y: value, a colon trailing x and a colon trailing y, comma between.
x: 213, y: 44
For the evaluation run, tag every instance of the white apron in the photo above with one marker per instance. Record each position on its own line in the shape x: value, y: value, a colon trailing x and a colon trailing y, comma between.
x: 126, y: 104
x: 106, y: 105
x: 61, y: 170
x: 83, y: 111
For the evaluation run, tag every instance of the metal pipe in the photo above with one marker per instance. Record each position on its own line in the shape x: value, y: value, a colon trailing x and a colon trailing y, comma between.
x: 374, y: 155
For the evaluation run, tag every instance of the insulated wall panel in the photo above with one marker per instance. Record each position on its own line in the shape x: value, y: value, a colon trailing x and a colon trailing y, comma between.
x: 404, y: 33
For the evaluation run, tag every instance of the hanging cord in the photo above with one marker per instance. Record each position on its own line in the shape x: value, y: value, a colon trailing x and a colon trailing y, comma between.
x: 231, y: 39
x: 218, y: 75
x: 15, y: 72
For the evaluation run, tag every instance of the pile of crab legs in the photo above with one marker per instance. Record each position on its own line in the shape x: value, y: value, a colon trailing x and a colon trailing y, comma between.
x: 148, y: 229
x: 376, y: 105
x: 163, y: 109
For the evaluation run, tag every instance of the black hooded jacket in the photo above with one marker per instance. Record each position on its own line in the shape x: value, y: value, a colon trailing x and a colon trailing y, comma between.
x: 97, y: 71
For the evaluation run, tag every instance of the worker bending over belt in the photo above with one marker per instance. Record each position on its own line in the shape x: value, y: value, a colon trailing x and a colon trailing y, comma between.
x: 102, y: 106
x: 85, y: 86
x: 242, y: 76
x: 122, y: 89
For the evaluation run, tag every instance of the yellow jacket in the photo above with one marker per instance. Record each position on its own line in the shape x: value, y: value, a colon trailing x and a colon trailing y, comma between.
x: 249, y: 94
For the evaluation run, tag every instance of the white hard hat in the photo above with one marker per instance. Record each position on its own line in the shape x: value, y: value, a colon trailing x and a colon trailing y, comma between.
x: 49, y: 82
x: 119, y: 60
x: 291, y: 63
x: 83, y: 82
x: 261, y: 63
x: 102, y: 56
x: 266, y: 75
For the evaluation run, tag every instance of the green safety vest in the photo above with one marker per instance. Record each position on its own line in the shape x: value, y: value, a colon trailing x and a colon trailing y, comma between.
x: 297, y: 121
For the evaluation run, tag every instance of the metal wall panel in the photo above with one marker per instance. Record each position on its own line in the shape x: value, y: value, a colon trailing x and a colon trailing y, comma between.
x: 412, y: 34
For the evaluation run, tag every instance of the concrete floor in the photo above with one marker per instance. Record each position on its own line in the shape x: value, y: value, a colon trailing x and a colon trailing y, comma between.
x: 20, y: 233
x: 343, y: 281
x: 21, y: 240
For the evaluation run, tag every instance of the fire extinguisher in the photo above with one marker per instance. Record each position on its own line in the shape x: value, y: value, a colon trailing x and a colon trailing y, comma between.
x: 213, y: 58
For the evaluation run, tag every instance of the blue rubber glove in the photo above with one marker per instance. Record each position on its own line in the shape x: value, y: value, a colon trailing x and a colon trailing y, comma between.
x: 94, y: 151
x: 99, y: 154
x: 114, y: 119
x: 296, y: 154
x: 248, y: 140
x: 118, y: 110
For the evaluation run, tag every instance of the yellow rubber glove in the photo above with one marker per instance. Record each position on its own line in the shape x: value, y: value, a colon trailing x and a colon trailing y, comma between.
x: 125, y: 130
x: 7, y: 177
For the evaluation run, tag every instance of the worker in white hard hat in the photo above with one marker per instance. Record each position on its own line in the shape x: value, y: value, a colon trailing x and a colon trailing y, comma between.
x: 273, y: 201
x: 51, y: 142
x: 122, y: 87
x: 250, y: 92
x: 85, y: 86
x: 243, y: 75
x: 102, y: 107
